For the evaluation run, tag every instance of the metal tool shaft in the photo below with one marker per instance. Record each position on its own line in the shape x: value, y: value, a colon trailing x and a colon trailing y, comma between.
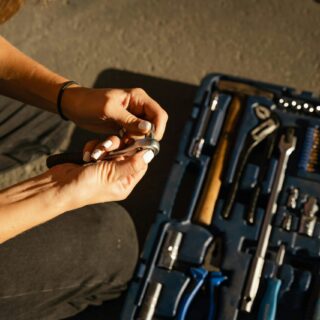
x: 286, y: 145
x: 150, y: 301
x: 212, y: 185
x: 77, y: 157
x: 255, y: 137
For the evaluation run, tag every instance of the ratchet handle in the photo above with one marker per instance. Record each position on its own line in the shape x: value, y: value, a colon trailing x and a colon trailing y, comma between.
x: 61, y: 158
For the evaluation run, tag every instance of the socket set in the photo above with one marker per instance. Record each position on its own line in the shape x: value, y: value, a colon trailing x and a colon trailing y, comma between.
x: 237, y: 233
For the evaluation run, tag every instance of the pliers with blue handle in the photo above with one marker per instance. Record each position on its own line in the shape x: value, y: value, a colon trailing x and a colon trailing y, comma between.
x: 207, y: 273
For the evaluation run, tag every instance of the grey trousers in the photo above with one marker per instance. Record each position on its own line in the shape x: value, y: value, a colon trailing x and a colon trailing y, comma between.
x: 81, y: 258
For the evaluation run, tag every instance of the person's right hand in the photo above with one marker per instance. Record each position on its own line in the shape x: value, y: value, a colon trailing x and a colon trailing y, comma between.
x: 101, y: 181
x: 100, y: 110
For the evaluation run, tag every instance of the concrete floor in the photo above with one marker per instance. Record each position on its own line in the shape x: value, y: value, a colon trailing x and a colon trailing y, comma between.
x: 167, y: 47
x: 275, y: 41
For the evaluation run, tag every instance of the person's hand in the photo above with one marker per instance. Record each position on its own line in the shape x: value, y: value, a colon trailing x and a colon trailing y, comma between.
x: 107, y: 110
x: 101, y: 181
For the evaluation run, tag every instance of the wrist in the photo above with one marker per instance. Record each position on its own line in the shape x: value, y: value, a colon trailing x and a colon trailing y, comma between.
x: 70, y: 101
x: 42, y: 191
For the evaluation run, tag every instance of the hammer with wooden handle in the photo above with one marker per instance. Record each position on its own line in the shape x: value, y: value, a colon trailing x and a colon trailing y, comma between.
x: 212, y: 185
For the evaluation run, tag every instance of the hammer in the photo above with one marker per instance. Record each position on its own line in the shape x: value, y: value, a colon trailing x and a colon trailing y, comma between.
x: 212, y: 185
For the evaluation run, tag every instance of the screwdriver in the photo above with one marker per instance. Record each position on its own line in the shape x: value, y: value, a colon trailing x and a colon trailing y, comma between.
x: 268, y: 307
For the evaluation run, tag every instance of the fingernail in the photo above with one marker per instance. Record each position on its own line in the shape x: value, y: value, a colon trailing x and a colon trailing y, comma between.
x: 96, y: 154
x: 145, y: 125
x: 148, y: 156
x: 107, y: 144
x: 86, y: 156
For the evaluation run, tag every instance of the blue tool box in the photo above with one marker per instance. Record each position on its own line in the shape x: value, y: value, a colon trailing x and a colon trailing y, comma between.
x: 237, y: 233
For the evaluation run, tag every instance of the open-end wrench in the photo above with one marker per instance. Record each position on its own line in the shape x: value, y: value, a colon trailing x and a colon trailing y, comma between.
x: 256, y: 136
x: 287, y: 145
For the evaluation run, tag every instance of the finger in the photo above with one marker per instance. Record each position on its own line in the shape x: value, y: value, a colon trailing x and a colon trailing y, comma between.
x: 102, y: 149
x: 142, y: 104
x: 134, y: 169
x: 129, y: 182
x: 88, y: 148
x: 134, y: 164
x: 132, y: 123
x: 107, y: 127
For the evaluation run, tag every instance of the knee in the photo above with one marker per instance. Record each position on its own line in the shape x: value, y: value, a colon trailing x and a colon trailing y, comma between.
x: 116, y: 247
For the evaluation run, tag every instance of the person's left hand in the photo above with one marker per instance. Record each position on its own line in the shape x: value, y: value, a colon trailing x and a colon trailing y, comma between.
x: 105, y: 110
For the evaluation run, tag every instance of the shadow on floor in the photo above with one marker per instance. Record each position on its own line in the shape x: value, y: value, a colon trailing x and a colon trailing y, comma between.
x: 176, y: 98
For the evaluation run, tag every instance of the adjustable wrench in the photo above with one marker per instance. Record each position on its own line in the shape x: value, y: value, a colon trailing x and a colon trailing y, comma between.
x: 287, y: 145
x: 256, y: 136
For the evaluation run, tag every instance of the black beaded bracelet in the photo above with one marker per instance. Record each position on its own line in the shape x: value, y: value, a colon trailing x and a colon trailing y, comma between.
x: 64, y: 86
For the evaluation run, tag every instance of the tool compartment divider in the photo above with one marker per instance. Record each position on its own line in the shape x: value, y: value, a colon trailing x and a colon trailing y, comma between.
x: 234, y: 241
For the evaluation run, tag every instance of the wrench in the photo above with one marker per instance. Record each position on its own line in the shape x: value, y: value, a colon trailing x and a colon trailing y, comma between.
x: 147, y: 143
x: 256, y: 136
x: 264, y: 157
x: 138, y: 145
x: 287, y: 145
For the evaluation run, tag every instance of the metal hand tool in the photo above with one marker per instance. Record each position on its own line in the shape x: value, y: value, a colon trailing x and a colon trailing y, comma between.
x: 150, y: 301
x: 256, y: 136
x: 264, y: 158
x: 198, y: 141
x: 308, y: 218
x: 292, y: 198
x: 262, y: 112
x: 287, y: 222
x: 210, y: 273
x: 138, y: 145
x: 287, y: 145
x: 170, y: 249
x: 147, y: 143
x: 268, y: 306
x: 212, y: 185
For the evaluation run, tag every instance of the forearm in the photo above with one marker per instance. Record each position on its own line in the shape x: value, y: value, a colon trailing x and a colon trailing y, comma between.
x: 29, y: 204
x: 26, y: 80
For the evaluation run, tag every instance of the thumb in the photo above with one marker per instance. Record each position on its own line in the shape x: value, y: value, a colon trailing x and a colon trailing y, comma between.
x: 131, y: 123
x: 135, y: 164
x: 133, y: 169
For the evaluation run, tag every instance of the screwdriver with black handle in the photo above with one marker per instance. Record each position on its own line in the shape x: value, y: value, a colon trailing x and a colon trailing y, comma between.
x: 269, y: 302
